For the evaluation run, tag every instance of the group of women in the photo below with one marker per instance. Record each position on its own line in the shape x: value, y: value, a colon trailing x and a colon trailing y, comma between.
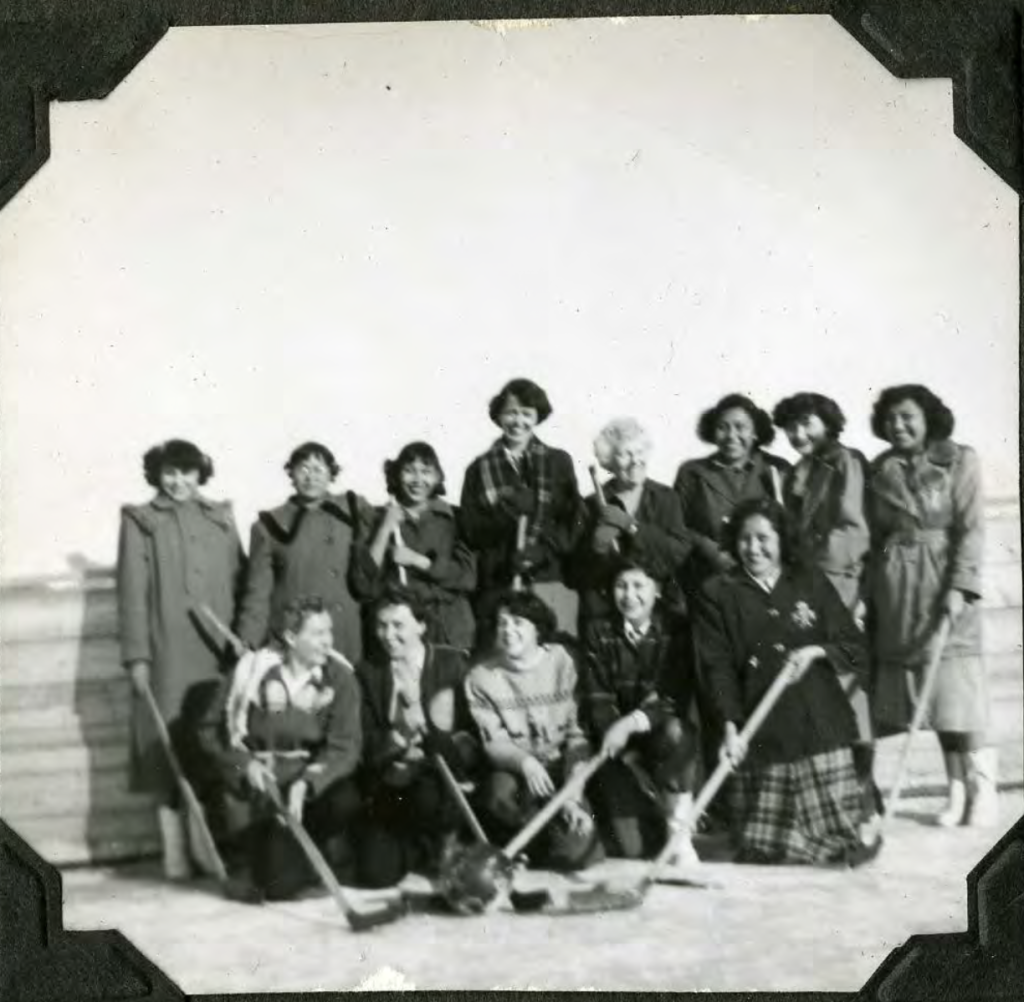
x: 517, y: 635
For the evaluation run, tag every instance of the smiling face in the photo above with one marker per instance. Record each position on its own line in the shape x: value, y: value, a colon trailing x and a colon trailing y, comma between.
x: 759, y: 547
x: 635, y: 593
x: 906, y: 426
x: 629, y: 462
x: 807, y: 434
x: 311, y: 478
x: 309, y: 646
x: 516, y: 636
x: 735, y: 435
x: 400, y: 633
x: 418, y: 480
x: 517, y: 422
x: 179, y: 485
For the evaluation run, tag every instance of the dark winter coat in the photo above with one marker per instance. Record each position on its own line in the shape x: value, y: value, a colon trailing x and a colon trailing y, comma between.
x: 304, y: 551
x: 743, y: 636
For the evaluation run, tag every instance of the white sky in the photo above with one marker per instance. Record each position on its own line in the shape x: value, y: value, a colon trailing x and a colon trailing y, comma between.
x: 357, y: 233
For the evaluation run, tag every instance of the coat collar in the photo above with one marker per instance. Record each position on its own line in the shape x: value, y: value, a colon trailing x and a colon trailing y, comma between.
x: 757, y: 467
x: 286, y: 518
x: 215, y: 511
x: 383, y: 682
x: 890, y: 482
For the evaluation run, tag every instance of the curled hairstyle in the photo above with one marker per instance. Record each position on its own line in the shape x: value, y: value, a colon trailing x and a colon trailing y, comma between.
x: 298, y: 612
x: 312, y: 450
x: 764, y: 432
x: 413, y: 452
x: 614, y: 435
x: 802, y: 405
x: 938, y: 418
x: 528, y: 393
x: 179, y: 454
x: 396, y: 595
x: 777, y: 517
x: 526, y: 605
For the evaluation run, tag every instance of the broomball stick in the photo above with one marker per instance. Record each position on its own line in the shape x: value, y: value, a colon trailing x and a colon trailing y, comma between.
x: 603, y: 898
x: 521, y: 527
x: 477, y: 877
x: 403, y: 574
x: 931, y: 673
x: 358, y: 920
x: 602, y: 501
x: 192, y: 804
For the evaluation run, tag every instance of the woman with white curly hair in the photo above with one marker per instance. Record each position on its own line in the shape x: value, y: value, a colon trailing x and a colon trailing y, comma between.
x: 628, y: 515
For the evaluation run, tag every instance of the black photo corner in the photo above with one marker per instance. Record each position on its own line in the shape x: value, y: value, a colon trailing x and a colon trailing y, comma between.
x: 52, y: 50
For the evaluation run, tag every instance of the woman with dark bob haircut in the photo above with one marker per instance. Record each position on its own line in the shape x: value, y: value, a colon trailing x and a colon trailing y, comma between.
x: 521, y: 478
x: 304, y: 547
x: 796, y: 795
x: 824, y: 495
x: 177, y: 551
x: 926, y: 518
x: 709, y: 488
x: 415, y: 539
x: 523, y: 699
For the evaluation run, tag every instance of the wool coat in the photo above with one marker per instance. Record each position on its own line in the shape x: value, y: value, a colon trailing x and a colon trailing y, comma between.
x: 661, y: 541
x: 824, y: 493
x: 444, y: 589
x: 173, y: 558
x: 303, y: 550
x: 743, y: 636
x: 927, y: 529
x: 490, y: 529
x: 709, y: 491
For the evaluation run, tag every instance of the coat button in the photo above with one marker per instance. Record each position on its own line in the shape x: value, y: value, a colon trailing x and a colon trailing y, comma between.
x: 778, y: 647
x: 774, y: 613
x: 329, y: 540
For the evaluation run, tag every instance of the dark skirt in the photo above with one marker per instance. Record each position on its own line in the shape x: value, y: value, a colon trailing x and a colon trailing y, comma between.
x: 805, y: 811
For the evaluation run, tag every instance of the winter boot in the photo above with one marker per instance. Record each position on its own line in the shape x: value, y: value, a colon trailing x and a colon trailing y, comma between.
x: 983, y: 809
x: 957, y: 803
x: 174, y: 836
x: 201, y: 852
x: 680, y: 829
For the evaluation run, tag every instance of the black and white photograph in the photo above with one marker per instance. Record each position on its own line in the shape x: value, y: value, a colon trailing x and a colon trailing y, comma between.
x: 512, y: 505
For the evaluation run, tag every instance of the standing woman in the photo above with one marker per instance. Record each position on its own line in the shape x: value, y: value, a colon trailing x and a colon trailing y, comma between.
x: 824, y: 495
x: 416, y: 538
x: 177, y: 552
x: 304, y: 548
x: 520, y: 476
x: 926, y: 519
x: 710, y: 488
x: 638, y: 517
x: 798, y: 797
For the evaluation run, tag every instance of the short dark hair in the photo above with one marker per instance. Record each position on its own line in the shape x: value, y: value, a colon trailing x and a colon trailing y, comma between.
x: 801, y: 405
x: 528, y: 393
x: 411, y: 453
x: 776, y: 515
x: 395, y: 594
x: 764, y: 432
x: 309, y: 450
x: 298, y: 611
x: 938, y: 418
x: 179, y: 454
x: 526, y: 605
x: 632, y: 560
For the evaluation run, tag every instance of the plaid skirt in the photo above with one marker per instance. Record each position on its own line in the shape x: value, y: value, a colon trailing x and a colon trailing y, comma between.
x: 799, y: 812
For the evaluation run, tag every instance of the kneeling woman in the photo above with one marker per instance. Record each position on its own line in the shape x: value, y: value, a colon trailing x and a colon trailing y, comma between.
x: 290, y: 740
x: 798, y: 796
x: 413, y: 710
x: 523, y: 699
x: 636, y: 690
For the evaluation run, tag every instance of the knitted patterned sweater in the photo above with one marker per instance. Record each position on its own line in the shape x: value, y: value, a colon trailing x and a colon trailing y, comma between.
x: 528, y: 710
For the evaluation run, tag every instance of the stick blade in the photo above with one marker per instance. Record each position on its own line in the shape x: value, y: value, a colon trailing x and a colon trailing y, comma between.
x: 384, y: 914
x: 599, y: 898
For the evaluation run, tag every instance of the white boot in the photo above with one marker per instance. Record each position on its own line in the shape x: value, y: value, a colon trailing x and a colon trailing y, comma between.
x: 983, y: 811
x: 953, y: 814
x: 680, y: 826
x: 174, y: 837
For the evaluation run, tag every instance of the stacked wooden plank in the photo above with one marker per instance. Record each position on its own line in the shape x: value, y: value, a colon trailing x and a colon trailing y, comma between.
x: 65, y: 703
